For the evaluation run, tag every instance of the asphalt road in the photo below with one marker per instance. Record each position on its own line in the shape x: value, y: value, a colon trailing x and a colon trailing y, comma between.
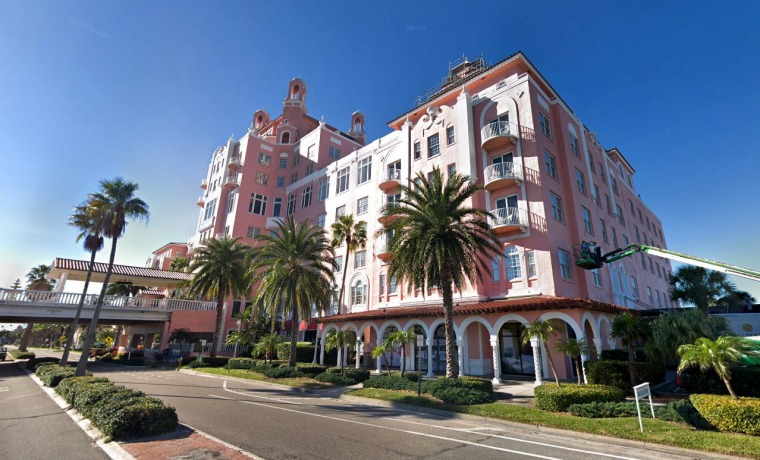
x: 32, y: 426
x: 276, y: 423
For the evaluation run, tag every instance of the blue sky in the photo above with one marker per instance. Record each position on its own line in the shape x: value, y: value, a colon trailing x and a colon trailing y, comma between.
x: 92, y: 90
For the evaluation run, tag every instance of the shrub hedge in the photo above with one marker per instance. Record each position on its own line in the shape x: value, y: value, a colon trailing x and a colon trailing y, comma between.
x: 16, y: 354
x: 605, y: 409
x: 217, y: 361
x: 478, y: 383
x: 337, y: 379
x: 682, y: 411
x: 281, y: 372
x: 457, y: 391
x: 194, y: 364
x: 555, y: 398
x: 241, y: 363
x: 617, y: 373
x: 34, y: 362
x: 52, y: 374
x: 744, y: 381
x: 304, y: 351
x: 311, y: 369
x: 390, y: 383
x: 728, y: 414
x: 119, y: 412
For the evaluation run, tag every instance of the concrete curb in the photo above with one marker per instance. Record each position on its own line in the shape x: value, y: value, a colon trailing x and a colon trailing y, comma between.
x: 113, y: 449
x: 555, y: 432
x: 270, y: 384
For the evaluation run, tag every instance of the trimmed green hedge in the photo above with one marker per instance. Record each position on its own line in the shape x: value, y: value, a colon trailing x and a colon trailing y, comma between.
x: 555, y: 398
x: 52, y: 374
x: 606, y: 409
x: 336, y: 379
x: 241, y: 363
x: 311, y: 369
x: 683, y: 411
x: 281, y: 372
x: 304, y: 351
x: 617, y: 373
x: 744, y: 381
x: 478, y: 383
x: 119, y: 412
x: 728, y: 414
x: 457, y: 391
x: 34, y: 362
x: 218, y: 361
x: 16, y: 354
x: 384, y: 382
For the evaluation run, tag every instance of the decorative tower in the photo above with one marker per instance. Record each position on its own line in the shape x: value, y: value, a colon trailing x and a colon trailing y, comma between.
x: 260, y: 120
x: 357, y: 127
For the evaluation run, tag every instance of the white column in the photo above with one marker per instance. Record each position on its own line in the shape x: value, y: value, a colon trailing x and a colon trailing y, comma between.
x: 598, y: 346
x: 358, y: 353
x: 536, y: 359
x: 61, y: 282
x: 430, y: 357
x: 321, y: 343
x: 379, y: 358
x: 496, y: 359
x: 345, y: 355
x: 460, y: 356
x: 584, y: 358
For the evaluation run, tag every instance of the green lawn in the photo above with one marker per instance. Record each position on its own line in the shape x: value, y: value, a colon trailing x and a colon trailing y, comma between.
x: 304, y: 382
x: 655, y: 431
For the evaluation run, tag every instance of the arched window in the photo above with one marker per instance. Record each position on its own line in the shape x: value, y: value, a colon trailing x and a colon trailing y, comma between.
x: 359, y: 292
x: 285, y: 138
x: 513, y: 263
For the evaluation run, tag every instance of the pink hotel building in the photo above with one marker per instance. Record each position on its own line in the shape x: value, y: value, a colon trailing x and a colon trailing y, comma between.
x: 548, y: 182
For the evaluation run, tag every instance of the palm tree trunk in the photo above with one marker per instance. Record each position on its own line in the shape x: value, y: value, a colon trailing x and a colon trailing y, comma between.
x: 551, y: 363
x: 578, y: 368
x: 218, y: 324
x: 452, y: 362
x: 82, y: 364
x: 730, y: 388
x: 293, y: 337
x: 25, y: 338
x: 631, y: 358
x: 403, y: 367
x: 75, y: 323
x: 343, y: 278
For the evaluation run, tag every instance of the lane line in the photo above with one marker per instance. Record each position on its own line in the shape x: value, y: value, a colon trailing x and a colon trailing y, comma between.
x: 224, y: 386
x: 220, y: 397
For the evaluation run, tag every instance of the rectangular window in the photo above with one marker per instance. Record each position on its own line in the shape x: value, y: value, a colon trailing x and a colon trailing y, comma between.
x: 293, y: 178
x: 291, y: 204
x: 362, y: 205
x: 324, y: 188
x: 277, y: 209
x: 417, y: 151
x: 597, y: 277
x: 513, y: 263
x: 630, y: 208
x: 551, y: 164
x: 210, y: 209
x: 262, y: 178
x: 231, y: 199
x: 280, y: 181
x: 657, y: 294
x: 341, y: 185
x: 258, y: 204
x: 309, y: 169
x: 283, y: 163
x: 595, y: 196
x: 364, y: 170
x: 253, y: 232
x: 296, y: 160
x: 360, y: 259
x: 590, y: 162
x: 495, y: 264
x: 340, y: 211
x: 614, y: 237
x: 452, y: 169
x: 648, y: 227
x: 434, y: 147
x: 635, y: 288
x: 546, y: 126
x: 306, y: 197
x: 601, y: 173
x: 651, y: 266
x: 358, y: 293
x: 381, y: 287
x: 574, y: 145
x: 609, y: 204
x: 581, y: 181
x: 619, y: 214
x: 334, y: 153
x: 643, y: 261
x: 321, y: 220
x: 392, y: 285
x: 638, y: 210
x: 339, y: 264
x: 636, y: 232
x: 450, y: 135
x: 557, y: 211
x: 649, y: 296
x: 604, y: 232
x: 565, y: 268
x: 531, y: 255
x: 614, y: 185
x: 265, y: 159
x: 587, y: 224
x: 625, y: 241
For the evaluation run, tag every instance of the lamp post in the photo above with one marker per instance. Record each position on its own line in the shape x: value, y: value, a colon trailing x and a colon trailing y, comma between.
x: 237, y: 339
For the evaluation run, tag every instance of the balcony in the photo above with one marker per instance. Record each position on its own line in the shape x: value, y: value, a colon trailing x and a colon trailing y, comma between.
x: 204, y: 184
x: 391, y: 180
x: 230, y: 182
x: 219, y: 236
x: 498, y: 133
x: 201, y: 201
x: 501, y: 175
x: 381, y: 249
x: 234, y: 163
x: 505, y: 220
x: 383, y: 219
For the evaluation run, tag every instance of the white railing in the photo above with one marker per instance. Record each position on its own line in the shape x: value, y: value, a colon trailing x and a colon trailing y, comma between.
x: 204, y: 184
x: 503, y: 171
x: 234, y: 161
x: 497, y: 129
x: 381, y: 246
x: 219, y: 236
x: 393, y: 174
x: 71, y: 299
x: 230, y: 182
x: 201, y: 200
x: 508, y: 216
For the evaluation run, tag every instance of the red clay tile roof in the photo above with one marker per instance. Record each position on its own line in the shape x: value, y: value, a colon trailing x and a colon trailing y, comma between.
x: 151, y: 292
x: 126, y: 270
x: 491, y: 306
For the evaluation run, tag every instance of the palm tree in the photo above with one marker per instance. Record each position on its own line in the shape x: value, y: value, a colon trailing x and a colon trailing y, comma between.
x: 630, y: 329
x: 719, y: 355
x: 115, y: 203
x: 678, y: 327
x: 339, y: 339
x: 180, y: 264
x: 575, y: 349
x: 220, y: 269
x: 379, y: 352
x: 89, y: 223
x: 399, y: 339
x: 295, y: 266
x: 268, y: 346
x: 37, y: 279
x: 126, y: 290
x: 439, y: 240
x: 354, y: 235
x: 543, y: 331
x: 700, y: 286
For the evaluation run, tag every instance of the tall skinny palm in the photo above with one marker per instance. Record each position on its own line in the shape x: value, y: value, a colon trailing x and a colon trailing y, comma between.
x: 90, y: 226
x: 354, y: 235
x: 115, y: 203
x: 295, y: 267
x: 339, y: 339
x: 543, y: 330
x: 399, y: 339
x: 439, y: 240
x: 719, y: 356
x: 575, y: 349
x: 630, y: 329
x: 220, y: 269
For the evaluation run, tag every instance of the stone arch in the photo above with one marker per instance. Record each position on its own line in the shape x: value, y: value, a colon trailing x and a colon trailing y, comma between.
x: 351, y: 326
x: 588, y: 318
x: 329, y: 327
x: 604, y: 330
x: 285, y: 138
x: 416, y: 322
x: 385, y: 325
x: 566, y: 318
x: 436, y: 323
x: 370, y: 324
x: 507, y: 318
x: 470, y: 320
x: 356, y: 278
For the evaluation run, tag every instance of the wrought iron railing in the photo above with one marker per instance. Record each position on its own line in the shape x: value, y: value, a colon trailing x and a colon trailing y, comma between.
x: 508, y: 216
x: 498, y: 128
x: 503, y: 171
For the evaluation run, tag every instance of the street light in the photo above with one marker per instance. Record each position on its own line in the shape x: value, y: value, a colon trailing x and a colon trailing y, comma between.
x: 237, y: 339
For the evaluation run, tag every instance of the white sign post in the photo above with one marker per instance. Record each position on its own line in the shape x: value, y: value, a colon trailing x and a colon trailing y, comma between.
x: 639, y: 392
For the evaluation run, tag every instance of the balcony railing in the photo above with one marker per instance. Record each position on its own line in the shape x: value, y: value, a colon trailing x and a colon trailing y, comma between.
x: 201, y: 201
x: 497, y: 133
x: 502, y: 173
x: 508, y: 218
x: 391, y: 180
x: 71, y: 300
x: 230, y: 182
x: 234, y: 163
x: 204, y: 184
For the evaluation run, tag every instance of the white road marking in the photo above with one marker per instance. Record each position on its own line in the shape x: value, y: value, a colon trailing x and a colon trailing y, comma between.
x: 224, y: 385
x: 220, y: 397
